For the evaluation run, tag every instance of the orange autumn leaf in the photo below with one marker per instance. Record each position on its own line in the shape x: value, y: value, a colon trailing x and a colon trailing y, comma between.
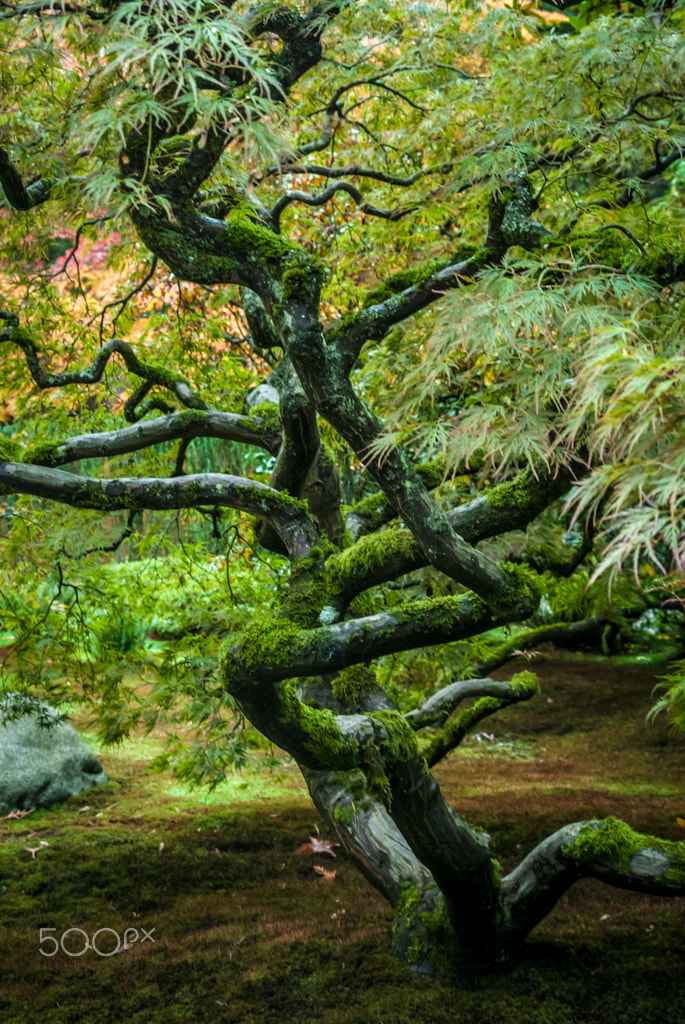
x: 316, y: 845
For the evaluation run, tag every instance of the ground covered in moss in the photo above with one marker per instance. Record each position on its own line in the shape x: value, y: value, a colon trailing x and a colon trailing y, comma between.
x: 243, y: 928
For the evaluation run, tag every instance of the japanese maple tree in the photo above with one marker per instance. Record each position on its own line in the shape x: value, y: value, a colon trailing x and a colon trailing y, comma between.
x: 423, y: 254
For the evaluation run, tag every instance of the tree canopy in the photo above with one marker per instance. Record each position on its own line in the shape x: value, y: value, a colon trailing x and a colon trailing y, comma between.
x: 401, y: 283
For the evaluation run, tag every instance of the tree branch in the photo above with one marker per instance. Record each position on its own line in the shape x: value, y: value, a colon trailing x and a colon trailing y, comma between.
x: 351, y: 171
x: 177, y: 426
x: 660, y: 165
x: 263, y: 333
x: 49, y: 8
x: 324, y: 378
x: 151, y: 373
x: 372, y: 512
x: 437, y: 709
x: 301, y: 36
x: 293, y: 523
x: 372, y: 323
x: 523, y: 686
x: 508, y: 506
x: 19, y: 196
x: 608, y: 850
x: 268, y: 653
x: 128, y: 530
x: 204, y: 155
x: 322, y: 198
x: 570, y: 632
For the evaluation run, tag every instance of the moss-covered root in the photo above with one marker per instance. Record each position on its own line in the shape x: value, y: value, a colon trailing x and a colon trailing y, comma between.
x: 608, y: 850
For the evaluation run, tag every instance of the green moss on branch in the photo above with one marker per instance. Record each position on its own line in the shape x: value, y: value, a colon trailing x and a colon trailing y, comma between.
x: 525, y: 684
x: 517, y: 492
x: 306, y: 594
x: 370, y: 552
x: 40, y: 454
x: 265, y: 642
x: 614, y: 841
x: 402, y: 280
x: 332, y: 750
x: 10, y: 451
x: 351, y: 683
x: 401, y: 744
x: 265, y: 416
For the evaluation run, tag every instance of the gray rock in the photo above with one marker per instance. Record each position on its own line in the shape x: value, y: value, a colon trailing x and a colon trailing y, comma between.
x: 43, y: 760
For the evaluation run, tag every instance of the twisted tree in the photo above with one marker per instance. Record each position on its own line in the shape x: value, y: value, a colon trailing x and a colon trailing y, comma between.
x: 470, y: 303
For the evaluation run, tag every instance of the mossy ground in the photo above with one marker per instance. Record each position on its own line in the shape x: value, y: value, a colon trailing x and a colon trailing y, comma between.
x: 247, y: 931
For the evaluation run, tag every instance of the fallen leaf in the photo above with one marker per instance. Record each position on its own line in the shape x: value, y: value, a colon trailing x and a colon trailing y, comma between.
x: 17, y: 814
x: 326, y: 876
x: 33, y: 850
x: 317, y: 846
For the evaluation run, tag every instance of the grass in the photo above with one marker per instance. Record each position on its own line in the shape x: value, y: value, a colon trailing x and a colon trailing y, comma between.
x: 246, y: 930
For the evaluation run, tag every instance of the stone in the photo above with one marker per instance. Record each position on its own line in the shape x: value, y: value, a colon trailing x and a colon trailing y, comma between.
x: 43, y: 760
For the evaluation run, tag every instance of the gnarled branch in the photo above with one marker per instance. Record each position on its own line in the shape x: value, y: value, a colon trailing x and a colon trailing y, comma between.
x: 294, y: 525
x: 445, y: 702
x: 297, y: 196
x: 523, y: 686
x: 151, y: 374
x: 177, y: 426
x: 508, y: 506
x: 608, y: 850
